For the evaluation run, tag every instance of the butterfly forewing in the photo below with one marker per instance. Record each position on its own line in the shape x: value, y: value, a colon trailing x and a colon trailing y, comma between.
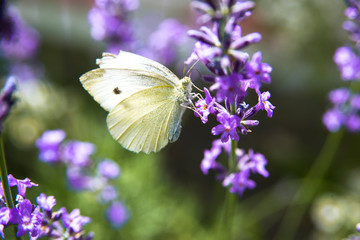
x: 111, y: 86
x: 129, y: 61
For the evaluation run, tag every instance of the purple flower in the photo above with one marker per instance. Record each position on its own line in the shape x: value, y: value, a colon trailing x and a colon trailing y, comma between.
x: 228, y: 87
x: 358, y: 227
x: 108, y: 194
x: 49, y: 145
x: 265, y: 104
x: 77, y: 179
x: 74, y: 220
x: 108, y: 169
x: 227, y: 128
x: 333, y: 119
x: 353, y: 123
x: 257, y: 71
x: 204, y: 107
x: 27, y: 217
x: 239, y: 182
x: 117, y: 214
x: 46, y: 203
x: 355, y: 102
x: 109, y: 22
x: 352, y: 12
x: 339, y: 96
x: 165, y: 41
x: 205, y: 52
x: 6, y: 99
x: 209, y: 160
x: 255, y: 162
x: 22, y: 41
x: 348, y: 63
x: 77, y: 153
x: 4, y: 219
x: 21, y: 184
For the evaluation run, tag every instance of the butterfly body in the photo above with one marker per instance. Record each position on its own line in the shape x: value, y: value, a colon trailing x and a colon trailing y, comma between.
x: 145, y: 100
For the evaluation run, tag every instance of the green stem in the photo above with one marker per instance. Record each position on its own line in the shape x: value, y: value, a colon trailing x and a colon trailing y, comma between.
x: 4, y: 174
x: 5, y: 181
x: 309, y: 187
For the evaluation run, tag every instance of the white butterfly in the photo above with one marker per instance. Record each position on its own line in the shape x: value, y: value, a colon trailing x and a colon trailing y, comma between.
x: 145, y: 100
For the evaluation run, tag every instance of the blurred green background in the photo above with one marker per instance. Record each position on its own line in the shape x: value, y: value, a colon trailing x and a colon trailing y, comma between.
x: 166, y: 193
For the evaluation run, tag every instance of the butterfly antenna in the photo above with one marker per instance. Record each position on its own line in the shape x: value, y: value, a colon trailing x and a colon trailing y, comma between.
x: 185, y: 66
x: 191, y: 68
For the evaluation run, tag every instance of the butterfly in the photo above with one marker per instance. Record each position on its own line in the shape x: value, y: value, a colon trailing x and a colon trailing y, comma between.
x: 145, y: 100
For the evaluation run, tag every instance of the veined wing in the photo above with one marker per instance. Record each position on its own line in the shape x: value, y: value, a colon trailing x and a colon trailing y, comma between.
x: 131, y: 61
x: 110, y: 86
x: 147, y: 120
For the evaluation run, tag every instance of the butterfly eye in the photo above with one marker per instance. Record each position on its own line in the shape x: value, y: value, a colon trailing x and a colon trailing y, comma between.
x: 117, y: 90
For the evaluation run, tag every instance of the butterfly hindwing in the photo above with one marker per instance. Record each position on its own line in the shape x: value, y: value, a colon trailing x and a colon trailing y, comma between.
x: 142, y: 122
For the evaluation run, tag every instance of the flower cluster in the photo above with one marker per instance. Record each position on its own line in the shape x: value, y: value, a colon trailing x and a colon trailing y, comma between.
x: 19, y: 43
x: 76, y: 156
x: 220, y: 47
x: 109, y: 22
x: 163, y: 44
x: 345, y: 102
x: 345, y: 111
x: 18, y: 40
x: 245, y: 165
x: 40, y: 220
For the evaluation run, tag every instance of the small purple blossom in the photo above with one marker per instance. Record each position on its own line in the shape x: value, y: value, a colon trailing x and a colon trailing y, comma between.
x: 117, y: 214
x: 209, y: 160
x: 339, y: 96
x: 265, y: 104
x: 4, y: 219
x: 333, y: 119
x: 77, y: 153
x: 28, y: 219
x: 78, y: 180
x: 228, y: 87
x: 74, y: 220
x: 49, y: 145
x: 348, y: 63
x: 109, y: 22
x: 107, y: 194
x: 257, y: 71
x: 46, y: 203
x: 204, y: 107
x: 355, y: 102
x: 255, y: 162
x: 163, y: 44
x: 227, y: 128
x: 239, y: 182
x: 345, y: 111
x: 21, y: 185
x: 108, y: 169
x: 353, y: 123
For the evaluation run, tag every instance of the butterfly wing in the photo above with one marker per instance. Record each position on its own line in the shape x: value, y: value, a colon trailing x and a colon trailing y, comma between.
x: 131, y: 61
x: 141, y: 96
x: 147, y: 120
x: 120, y: 76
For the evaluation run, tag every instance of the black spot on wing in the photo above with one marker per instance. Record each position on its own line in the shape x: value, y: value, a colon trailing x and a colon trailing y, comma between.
x: 117, y: 90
